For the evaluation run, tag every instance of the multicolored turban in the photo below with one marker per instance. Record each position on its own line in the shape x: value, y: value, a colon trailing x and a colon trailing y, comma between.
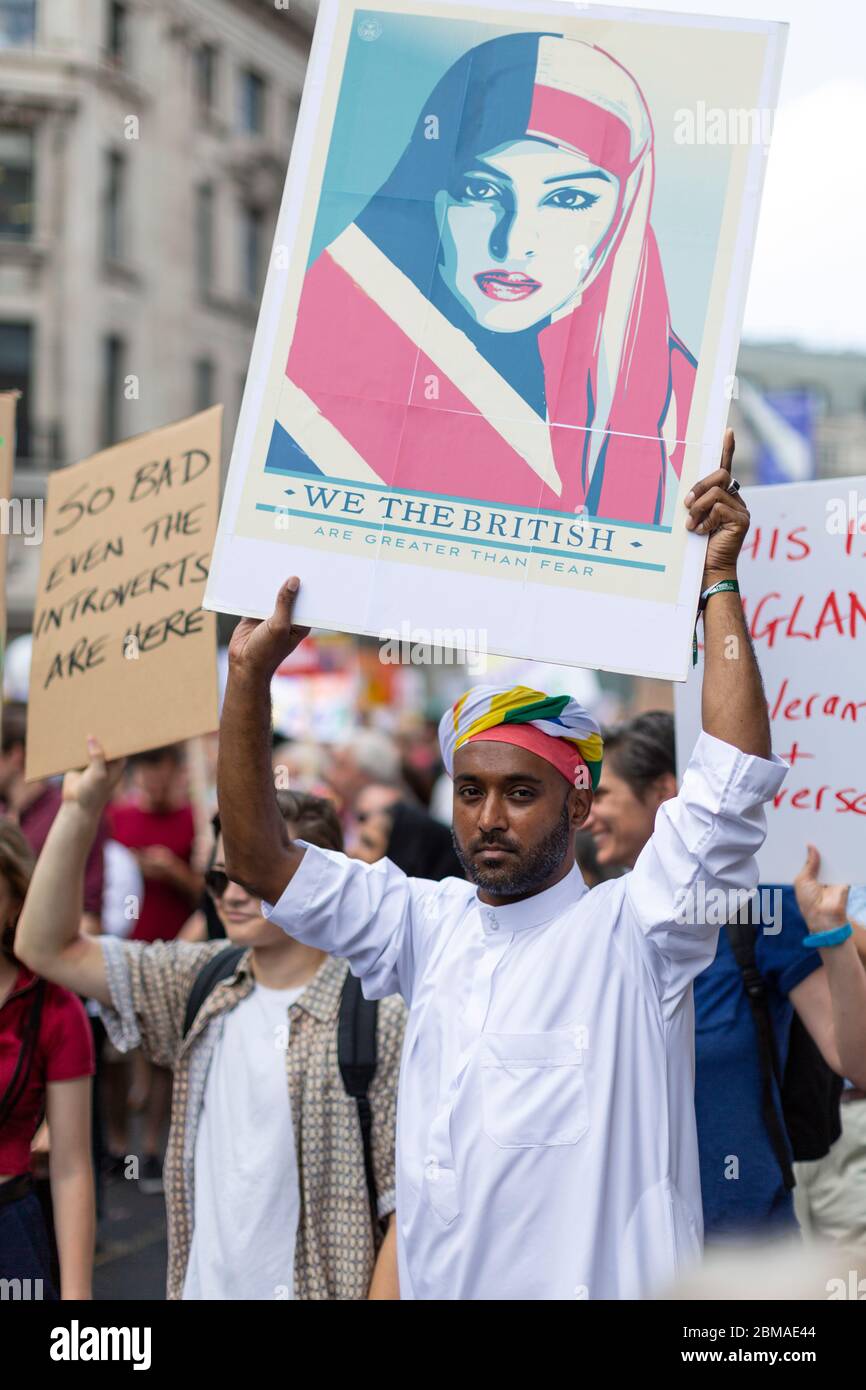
x: 555, y: 727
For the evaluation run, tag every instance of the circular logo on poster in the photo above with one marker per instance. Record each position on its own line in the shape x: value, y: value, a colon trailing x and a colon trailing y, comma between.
x: 369, y: 29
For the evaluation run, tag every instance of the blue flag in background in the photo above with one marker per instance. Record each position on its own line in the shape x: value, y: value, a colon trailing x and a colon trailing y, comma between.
x: 783, y: 423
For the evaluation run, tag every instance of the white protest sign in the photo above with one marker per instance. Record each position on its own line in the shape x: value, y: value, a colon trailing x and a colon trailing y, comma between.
x: 803, y: 580
x: 446, y: 428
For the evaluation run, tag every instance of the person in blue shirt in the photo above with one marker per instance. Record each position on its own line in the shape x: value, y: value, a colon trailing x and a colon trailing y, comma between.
x: 744, y: 1151
x: 742, y: 1181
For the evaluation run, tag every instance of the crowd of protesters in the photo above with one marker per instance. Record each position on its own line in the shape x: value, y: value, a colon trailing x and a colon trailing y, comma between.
x: 262, y: 1081
x: 141, y: 924
x: 145, y: 926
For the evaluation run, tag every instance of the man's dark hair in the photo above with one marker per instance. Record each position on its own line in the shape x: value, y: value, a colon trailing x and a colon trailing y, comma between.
x: 14, y: 725
x: 587, y: 860
x: 16, y: 867
x: 314, y: 818
x: 642, y: 750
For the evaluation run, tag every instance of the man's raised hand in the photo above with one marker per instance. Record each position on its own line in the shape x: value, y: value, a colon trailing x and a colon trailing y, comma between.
x: 258, y: 646
x: 719, y: 514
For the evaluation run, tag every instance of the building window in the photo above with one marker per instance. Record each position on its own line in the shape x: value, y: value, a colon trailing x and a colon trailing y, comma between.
x: 206, y: 60
x: 204, y: 248
x: 16, y: 185
x: 117, y: 37
x: 204, y: 383
x: 16, y: 374
x: 17, y: 23
x: 112, y: 401
x: 114, y: 208
x: 253, y: 92
x: 252, y: 243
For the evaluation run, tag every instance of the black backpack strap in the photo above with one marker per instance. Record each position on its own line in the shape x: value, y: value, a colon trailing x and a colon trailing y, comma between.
x: 356, y: 1053
x: 741, y: 936
x: 24, y: 1064
x: 221, y: 965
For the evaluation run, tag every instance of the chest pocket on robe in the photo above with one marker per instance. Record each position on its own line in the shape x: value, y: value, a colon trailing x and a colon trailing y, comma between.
x: 533, y: 1088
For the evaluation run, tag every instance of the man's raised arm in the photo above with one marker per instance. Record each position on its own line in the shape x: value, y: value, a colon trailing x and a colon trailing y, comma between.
x: 258, y: 852
x: 734, y: 707
x: 361, y: 912
x: 703, y: 847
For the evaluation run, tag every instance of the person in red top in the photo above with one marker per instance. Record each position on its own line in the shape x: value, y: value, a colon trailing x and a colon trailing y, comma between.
x: 46, y: 1065
x: 157, y: 824
x: 35, y: 804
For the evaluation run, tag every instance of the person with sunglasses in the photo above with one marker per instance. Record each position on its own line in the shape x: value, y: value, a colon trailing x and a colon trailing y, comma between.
x: 266, y: 1174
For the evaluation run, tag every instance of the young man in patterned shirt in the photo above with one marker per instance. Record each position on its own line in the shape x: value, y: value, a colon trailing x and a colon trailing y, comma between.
x: 266, y: 1189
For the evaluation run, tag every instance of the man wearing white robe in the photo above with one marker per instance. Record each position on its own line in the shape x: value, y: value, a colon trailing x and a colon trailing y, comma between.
x: 546, y: 1139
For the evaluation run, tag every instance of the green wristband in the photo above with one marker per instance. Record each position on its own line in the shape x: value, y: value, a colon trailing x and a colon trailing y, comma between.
x: 724, y: 586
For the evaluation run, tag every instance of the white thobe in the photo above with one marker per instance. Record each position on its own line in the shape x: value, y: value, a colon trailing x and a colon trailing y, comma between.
x: 546, y: 1141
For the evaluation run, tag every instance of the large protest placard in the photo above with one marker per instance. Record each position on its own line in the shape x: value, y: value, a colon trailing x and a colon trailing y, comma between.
x: 8, y: 401
x: 803, y: 580
x: 500, y: 325
x: 122, y: 647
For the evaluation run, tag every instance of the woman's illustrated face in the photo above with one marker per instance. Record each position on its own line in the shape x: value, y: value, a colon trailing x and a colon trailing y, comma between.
x: 520, y: 228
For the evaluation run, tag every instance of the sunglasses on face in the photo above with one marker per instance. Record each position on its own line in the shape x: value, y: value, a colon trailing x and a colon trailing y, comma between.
x: 216, y: 881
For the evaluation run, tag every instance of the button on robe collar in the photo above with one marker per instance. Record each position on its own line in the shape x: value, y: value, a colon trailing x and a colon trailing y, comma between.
x: 533, y: 911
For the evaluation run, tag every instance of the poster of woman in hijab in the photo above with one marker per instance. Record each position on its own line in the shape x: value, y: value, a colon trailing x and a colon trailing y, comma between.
x: 509, y: 277
x: 509, y: 257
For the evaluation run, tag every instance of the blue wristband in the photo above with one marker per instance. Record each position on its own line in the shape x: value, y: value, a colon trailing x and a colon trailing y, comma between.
x: 830, y: 938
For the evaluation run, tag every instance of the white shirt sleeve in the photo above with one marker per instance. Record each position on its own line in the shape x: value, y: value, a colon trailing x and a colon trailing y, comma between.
x: 705, y: 840
x: 368, y: 914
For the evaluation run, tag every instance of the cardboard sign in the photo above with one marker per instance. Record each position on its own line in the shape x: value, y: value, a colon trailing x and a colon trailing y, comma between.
x: 500, y: 326
x: 8, y: 400
x: 122, y: 647
x: 803, y: 580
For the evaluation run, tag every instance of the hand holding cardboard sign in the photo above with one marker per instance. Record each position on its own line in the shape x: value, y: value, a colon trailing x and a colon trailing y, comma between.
x: 92, y: 788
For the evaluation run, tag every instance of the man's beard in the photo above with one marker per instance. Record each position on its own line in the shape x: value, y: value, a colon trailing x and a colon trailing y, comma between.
x: 529, y: 870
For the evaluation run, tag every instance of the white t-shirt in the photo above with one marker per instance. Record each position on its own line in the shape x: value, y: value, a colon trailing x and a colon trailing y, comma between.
x: 246, y: 1173
x: 123, y: 887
